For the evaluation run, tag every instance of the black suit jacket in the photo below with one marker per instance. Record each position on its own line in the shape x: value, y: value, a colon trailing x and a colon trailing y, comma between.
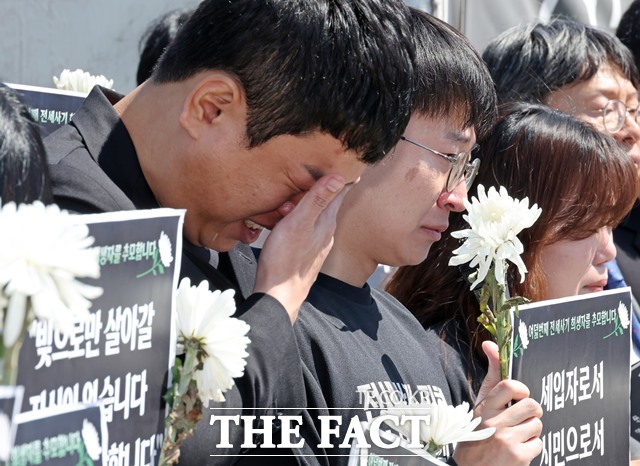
x: 627, y: 240
x: 94, y: 168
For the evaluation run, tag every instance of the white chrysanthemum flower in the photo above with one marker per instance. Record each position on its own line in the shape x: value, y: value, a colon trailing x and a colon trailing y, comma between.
x: 91, y: 440
x: 447, y: 424
x: 524, y: 337
x: 453, y: 424
x: 623, y: 315
x: 164, y: 245
x: 80, y: 81
x: 205, y: 316
x: 5, y: 437
x: 495, y: 220
x: 42, y: 252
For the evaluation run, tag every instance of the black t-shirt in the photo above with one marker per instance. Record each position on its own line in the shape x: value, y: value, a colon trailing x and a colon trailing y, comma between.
x: 363, y: 351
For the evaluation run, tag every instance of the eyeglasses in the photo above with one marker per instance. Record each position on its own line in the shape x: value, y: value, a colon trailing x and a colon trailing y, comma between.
x: 614, y: 115
x: 461, y: 165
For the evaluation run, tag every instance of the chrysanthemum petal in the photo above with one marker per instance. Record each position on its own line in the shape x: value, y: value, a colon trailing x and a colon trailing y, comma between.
x: 45, y: 267
x: 205, y: 316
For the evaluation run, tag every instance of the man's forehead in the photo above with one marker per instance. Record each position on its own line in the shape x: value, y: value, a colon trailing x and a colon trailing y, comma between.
x: 610, y: 81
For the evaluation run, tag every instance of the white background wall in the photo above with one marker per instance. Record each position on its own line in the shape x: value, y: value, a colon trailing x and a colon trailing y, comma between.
x: 42, y: 37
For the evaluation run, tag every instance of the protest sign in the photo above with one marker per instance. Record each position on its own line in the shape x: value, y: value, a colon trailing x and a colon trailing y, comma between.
x: 574, y: 355
x: 10, y: 400
x: 50, y: 108
x: 635, y: 401
x: 120, y: 356
x: 59, y: 437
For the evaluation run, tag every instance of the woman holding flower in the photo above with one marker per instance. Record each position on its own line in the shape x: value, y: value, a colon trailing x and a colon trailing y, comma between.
x: 584, y: 184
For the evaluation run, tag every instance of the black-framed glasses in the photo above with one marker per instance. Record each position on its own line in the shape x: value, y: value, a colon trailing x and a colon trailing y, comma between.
x: 461, y: 165
x: 614, y: 115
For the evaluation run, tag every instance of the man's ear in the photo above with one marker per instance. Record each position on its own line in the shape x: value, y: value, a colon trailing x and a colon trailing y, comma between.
x: 216, y: 99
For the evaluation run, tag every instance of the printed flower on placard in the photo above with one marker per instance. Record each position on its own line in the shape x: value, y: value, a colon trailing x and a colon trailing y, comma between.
x: 5, y: 437
x: 214, y: 348
x: 80, y: 81
x: 621, y: 321
x: 522, y: 330
x: 164, y: 245
x: 42, y: 253
x: 495, y: 219
x: 521, y: 344
x: 623, y: 315
x: 447, y: 425
x: 162, y: 256
x: 91, y: 440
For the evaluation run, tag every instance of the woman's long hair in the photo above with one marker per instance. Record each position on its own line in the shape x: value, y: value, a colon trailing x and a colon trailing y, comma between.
x: 580, y: 178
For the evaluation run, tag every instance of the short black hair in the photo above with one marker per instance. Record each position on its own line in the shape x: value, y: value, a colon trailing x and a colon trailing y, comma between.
x: 629, y: 30
x: 343, y: 67
x: 451, y: 78
x: 529, y: 62
x: 155, y: 40
x: 24, y: 173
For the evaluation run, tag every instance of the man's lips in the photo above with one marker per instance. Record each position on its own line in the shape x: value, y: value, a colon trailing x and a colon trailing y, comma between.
x: 250, y: 231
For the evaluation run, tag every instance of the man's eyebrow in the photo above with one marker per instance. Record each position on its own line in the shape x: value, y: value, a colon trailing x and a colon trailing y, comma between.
x: 458, y: 136
x: 316, y: 174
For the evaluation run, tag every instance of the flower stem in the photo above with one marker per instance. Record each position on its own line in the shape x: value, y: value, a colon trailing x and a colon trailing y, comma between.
x: 156, y: 263
x: 433, y: 448
x: 9, y: 356
x: 502, y: 322
x: 10, y: 364
x: 186, y: 406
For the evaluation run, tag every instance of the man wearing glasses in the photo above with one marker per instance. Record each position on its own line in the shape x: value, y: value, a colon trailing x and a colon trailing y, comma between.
x: 362, y: 350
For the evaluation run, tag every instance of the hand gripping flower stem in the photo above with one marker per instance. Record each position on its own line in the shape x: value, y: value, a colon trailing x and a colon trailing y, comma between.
x: 495, y: 220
